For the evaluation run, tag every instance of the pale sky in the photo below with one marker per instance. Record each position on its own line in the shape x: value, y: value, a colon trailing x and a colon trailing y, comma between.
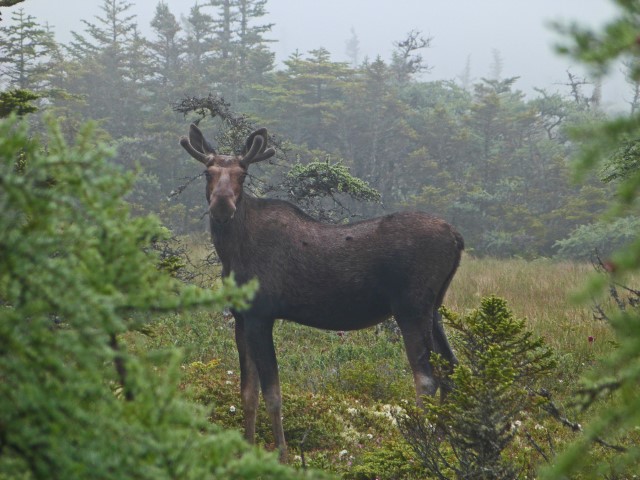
x: 461, y: 30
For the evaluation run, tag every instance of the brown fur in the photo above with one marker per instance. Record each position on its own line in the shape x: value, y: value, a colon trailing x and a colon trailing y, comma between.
x: 335, y: 277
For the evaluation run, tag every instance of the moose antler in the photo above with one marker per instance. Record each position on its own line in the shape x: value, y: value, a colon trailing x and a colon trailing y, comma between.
x: 255, y: 148
x: 200, y: 149
x: 196, y: 145
x: 201, y: 157
x: 199, y: 142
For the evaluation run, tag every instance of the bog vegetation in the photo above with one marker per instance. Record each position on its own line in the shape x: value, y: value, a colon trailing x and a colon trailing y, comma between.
x: 117, y: 358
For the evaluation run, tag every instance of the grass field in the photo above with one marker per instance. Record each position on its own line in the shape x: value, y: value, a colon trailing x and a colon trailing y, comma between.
x: 326, y: 377
x: 543, y: 292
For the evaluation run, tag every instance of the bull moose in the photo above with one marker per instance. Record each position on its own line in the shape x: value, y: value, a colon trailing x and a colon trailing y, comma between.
x: 334, y: 277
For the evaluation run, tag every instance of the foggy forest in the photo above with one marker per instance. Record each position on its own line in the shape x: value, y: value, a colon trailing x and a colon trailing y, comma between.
x: 125, y: 339
x: 482, y: 155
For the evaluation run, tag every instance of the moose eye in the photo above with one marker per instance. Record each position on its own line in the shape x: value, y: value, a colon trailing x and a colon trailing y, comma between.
x: 207, y: 174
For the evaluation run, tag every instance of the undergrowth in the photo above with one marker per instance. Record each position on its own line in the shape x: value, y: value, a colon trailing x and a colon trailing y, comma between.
x: 341, y: 390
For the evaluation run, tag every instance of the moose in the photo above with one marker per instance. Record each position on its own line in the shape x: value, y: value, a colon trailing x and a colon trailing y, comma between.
x: 332, y: 277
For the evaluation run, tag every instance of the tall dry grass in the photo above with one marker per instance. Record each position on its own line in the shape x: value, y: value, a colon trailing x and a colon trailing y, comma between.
x: 541, y: 291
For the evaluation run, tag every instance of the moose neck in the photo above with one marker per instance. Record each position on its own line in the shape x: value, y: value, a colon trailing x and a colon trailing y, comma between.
x: 228, y: 238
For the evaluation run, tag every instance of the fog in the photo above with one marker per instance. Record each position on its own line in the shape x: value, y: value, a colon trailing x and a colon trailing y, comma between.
x: 484, y: 156
x: 463, y: 32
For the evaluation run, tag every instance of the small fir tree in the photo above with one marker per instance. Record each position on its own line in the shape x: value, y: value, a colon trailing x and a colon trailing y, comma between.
x: 610, y: 144
x: 26, y: 48
x: 17, y: 101
x: 76, y: 273
x: 466, y: 434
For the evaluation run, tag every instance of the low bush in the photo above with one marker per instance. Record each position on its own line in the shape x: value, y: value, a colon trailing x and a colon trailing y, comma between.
x: 466, y: 435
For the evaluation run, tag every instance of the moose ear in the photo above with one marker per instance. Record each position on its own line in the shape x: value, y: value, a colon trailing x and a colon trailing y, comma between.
x: 197, y: 140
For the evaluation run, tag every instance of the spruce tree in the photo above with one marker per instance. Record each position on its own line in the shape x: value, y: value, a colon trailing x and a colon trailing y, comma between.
x: 465, y: 435
x: 167, y: 47
x: 26, y: 48
x: 107, y: 61
x: 615, y: 379
x: 76, y: 274
x: 200, y: 51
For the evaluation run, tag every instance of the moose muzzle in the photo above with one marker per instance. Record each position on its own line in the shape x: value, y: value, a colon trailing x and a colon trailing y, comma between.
x: 222, y: 203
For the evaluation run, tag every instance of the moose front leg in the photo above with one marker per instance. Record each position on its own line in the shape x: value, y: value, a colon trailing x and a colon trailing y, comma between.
x: 259, y: 342
x: 249, y: 382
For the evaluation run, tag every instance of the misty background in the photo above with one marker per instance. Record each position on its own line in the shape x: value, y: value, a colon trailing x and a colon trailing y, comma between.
x: 517, y: 31
x: 459, y: 109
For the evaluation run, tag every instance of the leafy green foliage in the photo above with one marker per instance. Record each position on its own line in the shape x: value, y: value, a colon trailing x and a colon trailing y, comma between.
x: 393, y: 459
x: 327, y: 179
x: 603, y: 238
x: 17, y: 101
x: 76, y: 274
x: 27, y: 48
x: 611, y: 145
x: 624, y: 161
x: 309, y: 420
x: 374, y: 380
x: 8, y: 3
x: 466, y: 434
x: 309, y: 184
x: 600, y: 48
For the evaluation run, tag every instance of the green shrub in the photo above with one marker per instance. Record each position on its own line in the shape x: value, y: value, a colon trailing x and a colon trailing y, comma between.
x: 371, y: 379
x: 603, y: 238
x: 310, y: 420
x: 75, y: 274
x: 466, y: 434
x: 391, y: 459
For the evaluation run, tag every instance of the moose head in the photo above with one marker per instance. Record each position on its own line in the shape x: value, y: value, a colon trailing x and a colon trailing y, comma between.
x: 225, y: 174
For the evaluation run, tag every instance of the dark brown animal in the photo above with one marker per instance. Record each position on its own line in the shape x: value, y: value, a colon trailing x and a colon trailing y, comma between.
x: 335, y: 277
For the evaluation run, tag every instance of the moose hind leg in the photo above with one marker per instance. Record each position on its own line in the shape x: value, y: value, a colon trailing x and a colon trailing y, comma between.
x: 443, y: 348
x: 249, y: 382
x: 259, y: 336
x: 440, y: 340
x: 418, y: 339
